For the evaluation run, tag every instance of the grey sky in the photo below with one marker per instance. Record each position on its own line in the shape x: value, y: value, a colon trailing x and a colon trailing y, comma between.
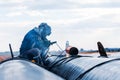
x: 82, y: 22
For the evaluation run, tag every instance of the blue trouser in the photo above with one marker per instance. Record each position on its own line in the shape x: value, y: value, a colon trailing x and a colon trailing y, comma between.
x: 34, y: 54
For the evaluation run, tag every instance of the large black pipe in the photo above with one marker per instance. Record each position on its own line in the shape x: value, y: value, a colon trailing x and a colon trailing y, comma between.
x: 85, y: 68
x: 24, y: 70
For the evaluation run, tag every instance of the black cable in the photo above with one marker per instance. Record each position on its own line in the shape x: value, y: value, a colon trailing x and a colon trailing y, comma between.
x: 64, y: 60
x: 57, y: 56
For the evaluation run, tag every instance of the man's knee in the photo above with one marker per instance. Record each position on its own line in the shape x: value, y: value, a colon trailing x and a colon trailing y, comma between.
x: 31, y: 53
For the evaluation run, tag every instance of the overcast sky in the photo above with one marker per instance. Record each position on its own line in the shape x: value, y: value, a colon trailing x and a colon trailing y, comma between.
x: 81, y: 22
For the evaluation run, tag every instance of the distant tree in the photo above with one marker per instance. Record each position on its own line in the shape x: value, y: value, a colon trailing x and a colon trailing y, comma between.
x: 81, y: 49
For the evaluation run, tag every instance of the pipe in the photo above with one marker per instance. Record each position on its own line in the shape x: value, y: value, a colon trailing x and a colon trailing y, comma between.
x: 85, y: 68
x: 24, y: 70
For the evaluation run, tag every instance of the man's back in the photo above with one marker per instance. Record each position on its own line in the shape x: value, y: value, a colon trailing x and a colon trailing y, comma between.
x: 28, y: 41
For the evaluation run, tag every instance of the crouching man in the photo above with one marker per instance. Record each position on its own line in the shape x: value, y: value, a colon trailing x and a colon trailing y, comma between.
x: 35, y: 44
